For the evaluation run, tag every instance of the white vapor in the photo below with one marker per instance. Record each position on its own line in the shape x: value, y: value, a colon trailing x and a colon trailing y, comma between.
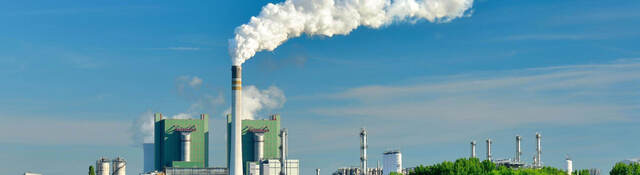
x: 278, y: 22
x: 255, y: 100
x: 189, y: 87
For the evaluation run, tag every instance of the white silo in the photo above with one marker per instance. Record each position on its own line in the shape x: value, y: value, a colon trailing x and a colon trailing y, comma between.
x: 102, y: 166
x: 391, y: 162
x: 119, y: 166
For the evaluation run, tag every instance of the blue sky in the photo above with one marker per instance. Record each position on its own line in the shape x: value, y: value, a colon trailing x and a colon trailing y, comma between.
x: 76, y: 76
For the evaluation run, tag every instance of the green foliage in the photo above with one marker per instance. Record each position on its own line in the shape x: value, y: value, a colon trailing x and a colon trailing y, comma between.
x: 581, y: 172
x: 91, y: 170
x: 625, y: 169
x: 473, y: 166
x: 395, y: 173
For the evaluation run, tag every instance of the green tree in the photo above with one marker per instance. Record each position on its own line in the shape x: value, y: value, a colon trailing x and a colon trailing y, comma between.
x: 91, y: 170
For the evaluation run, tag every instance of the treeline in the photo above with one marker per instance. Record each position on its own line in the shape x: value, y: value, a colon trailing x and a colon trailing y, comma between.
x: 625, y: 169
x: 473, y: 166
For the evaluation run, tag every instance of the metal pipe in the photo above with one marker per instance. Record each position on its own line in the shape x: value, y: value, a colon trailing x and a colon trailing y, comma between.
x: 363, y: 151
x: 473, y: 149
x: 317, y: 171
x: 489, y: 149
x: 518, y: 150
x: 538, y: 162
x: 283, y: 152
x: 236, y: 112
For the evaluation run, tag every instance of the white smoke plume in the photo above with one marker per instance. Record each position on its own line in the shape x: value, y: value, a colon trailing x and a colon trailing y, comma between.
x: 255, y: 101
x: 278, y: 22
x: 189, y: 87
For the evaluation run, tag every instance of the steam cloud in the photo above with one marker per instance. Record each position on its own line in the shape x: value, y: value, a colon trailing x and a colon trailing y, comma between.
x: 189, y: 87
x: 255, y: 100
x: 278, y: 22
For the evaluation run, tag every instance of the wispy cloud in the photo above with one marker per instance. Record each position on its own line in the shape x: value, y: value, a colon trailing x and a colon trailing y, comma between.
x: 183, y: 48
x: 554, y: 37
x: 468, y: 104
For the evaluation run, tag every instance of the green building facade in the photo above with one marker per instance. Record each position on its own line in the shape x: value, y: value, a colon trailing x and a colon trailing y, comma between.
x: 168, y: 142
x: 271, y: 129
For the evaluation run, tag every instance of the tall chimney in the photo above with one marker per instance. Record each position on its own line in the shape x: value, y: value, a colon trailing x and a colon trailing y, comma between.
x: 363, y: 151
x: 259, y: 146
x: 538, y: 162
x: 283, y: 151
x: 317, y: 171
x: 236, y: 113
x: 489, y: 149
x: 518, y: 150
x: 473, y: 149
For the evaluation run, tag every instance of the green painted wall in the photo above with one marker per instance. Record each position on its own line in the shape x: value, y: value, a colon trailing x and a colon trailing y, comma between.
x: 271, y: 139
x: 167, y: 142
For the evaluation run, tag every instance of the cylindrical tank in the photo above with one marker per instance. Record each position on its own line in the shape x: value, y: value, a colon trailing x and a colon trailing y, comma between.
x: 119, y: 166
x: 473, y: 149
x: 259, y: 145
x: 102, y: 166
x: 391, y: 162
x: 185, y: 147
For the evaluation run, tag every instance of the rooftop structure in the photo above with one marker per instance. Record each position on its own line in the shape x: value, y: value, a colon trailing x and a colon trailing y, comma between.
x: 252, y: 130
x: 181, y: 143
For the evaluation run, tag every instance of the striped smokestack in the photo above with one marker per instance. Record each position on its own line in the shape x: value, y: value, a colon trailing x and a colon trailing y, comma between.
x: 235, y: 167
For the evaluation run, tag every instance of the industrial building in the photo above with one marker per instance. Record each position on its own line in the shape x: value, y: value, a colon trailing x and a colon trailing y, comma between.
x: 263, y: 147
x: 516, y: 162
x: 181, y: 143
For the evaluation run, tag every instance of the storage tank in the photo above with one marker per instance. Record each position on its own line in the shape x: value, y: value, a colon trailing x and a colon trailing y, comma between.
x: 119, y: 166
x: 391, y: 162
x: 102, y: 166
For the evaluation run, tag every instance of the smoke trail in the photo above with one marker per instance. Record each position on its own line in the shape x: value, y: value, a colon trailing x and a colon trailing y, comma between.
x: 278, y: 22
x: 189, y: 87
x: 255, y: 101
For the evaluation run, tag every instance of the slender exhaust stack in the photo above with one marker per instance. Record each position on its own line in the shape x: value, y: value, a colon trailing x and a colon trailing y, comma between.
x: 489, y: 149
x: 473, y: 149
x: 363, y: 151
x: 538, y: 162
x: 236, y: 112
x: 518, y: 150
x: 283, y: 152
